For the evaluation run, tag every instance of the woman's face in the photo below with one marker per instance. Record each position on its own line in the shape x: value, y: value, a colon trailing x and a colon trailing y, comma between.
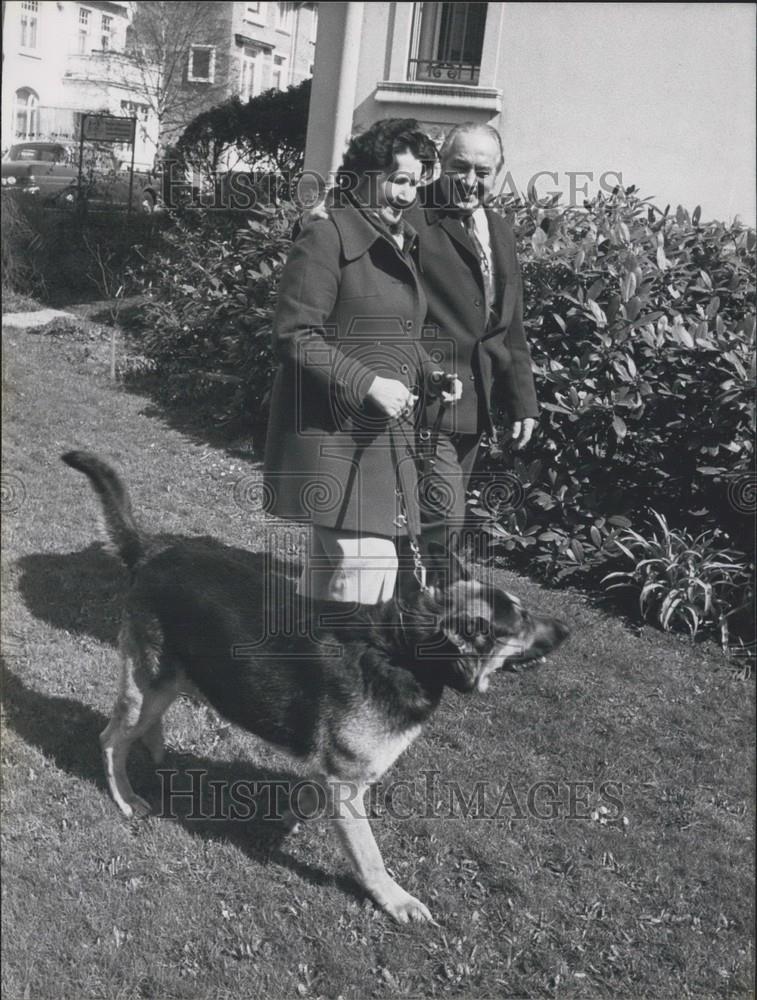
x: 397, y: 187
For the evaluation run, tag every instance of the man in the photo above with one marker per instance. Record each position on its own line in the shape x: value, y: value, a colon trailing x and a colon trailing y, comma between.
x: 471, y: 277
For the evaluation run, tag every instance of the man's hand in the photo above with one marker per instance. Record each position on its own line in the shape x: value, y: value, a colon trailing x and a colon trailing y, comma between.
x: 315, y: 213
x: 391, y: 397
x: 522, y: 431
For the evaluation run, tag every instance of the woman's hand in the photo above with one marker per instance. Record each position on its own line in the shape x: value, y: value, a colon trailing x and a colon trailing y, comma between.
x: 391, y: 397
x: 445, y: 386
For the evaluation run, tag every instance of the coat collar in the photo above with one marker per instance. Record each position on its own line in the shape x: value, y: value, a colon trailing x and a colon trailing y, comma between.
x: 357, y: 233
x: 450, y: 223
x: 437, y: 211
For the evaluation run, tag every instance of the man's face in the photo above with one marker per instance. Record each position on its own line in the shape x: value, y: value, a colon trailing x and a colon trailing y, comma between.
x: 469, y: 170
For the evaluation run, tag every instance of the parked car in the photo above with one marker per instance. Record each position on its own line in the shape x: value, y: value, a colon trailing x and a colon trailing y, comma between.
x: 50, y: 172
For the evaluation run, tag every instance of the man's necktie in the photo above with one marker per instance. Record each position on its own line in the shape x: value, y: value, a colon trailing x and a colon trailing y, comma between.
x: 486, y: 272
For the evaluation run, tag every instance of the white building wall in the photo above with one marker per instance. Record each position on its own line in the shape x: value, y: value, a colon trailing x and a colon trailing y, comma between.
x: 40, y: 68
x: 664, y: 93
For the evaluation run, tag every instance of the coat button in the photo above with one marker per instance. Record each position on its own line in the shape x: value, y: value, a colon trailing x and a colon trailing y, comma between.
x: 472, y: 378
x: 408, y: 324
x: 477, y: 302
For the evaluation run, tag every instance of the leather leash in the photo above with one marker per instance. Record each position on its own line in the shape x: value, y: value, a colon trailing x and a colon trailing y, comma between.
x: 405, y: 518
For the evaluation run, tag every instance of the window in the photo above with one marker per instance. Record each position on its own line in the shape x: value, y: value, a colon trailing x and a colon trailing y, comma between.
x: 134, y: 109
x: 248, y: 80
x: 255, y: 12
x: 284, y: 12
x: 202, y: 64
x: 40, y: 152
x: 29, y: 11
x: 278, y: 78
x: 106, y: 31
x: 84, y: 19
x: 448, y: 39
x: 26, y: 114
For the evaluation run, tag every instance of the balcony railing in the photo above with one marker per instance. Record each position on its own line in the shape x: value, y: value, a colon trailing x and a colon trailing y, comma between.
x: 109, y: 67
x: 443, y: 71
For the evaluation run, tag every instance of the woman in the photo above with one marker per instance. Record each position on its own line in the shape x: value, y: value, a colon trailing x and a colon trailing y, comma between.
x: 347, y: 333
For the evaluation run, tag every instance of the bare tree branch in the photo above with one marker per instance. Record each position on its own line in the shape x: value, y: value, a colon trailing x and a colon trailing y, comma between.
x: 159, y: 46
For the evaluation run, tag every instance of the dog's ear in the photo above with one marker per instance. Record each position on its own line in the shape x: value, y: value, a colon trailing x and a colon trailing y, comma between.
x: 469, y: 638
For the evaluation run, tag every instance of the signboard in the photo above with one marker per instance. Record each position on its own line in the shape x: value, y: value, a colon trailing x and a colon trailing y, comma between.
x: 108, y: 128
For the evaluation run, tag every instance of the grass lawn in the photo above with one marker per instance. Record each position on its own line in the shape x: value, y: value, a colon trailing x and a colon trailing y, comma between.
x: 608, y: 850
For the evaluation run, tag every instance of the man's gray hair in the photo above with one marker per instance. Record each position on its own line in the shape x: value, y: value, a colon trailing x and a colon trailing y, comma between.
x: 465, y: 129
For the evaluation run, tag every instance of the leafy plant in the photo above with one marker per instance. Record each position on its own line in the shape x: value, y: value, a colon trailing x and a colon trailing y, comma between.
x: 62, y: 255
x: 641, y: 324
x: 18, y: 237
x: 268, y: 131
x: 694, y: 582
x: 212, y: 291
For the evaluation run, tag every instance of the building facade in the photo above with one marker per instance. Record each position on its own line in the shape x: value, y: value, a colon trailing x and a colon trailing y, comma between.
x: 63, y: 58
x: 661, y: 94
x: 273, y: 45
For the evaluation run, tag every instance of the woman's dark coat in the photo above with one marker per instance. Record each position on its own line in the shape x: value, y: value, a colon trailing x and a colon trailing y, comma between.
x: 349, y: 308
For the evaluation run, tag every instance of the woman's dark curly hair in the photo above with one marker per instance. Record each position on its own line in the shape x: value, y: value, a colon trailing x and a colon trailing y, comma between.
x: 374, y: 150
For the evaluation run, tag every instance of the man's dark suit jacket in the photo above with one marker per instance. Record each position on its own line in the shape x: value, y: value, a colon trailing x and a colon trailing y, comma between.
x: 486, y: 355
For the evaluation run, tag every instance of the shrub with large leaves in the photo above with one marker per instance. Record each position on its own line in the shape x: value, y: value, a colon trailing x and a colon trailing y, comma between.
x: 641, y: 324
x: 212, y: 293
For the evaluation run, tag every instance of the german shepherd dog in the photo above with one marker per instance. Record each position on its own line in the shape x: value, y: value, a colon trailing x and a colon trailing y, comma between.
x: 346, y: 717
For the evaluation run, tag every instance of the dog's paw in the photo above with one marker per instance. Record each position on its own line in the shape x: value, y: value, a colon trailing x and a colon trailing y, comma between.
x: 135, y: 808
x: 291, y: 825
x: 403, y: 907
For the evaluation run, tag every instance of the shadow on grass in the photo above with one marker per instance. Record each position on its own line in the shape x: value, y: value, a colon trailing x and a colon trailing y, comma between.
x: 82, y: 592
x: 79, y: 592
x: 240, y: 438
x: 66, y: 731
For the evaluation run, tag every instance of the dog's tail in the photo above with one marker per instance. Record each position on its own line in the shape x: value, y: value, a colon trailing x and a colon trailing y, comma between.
x: 119, y: 521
